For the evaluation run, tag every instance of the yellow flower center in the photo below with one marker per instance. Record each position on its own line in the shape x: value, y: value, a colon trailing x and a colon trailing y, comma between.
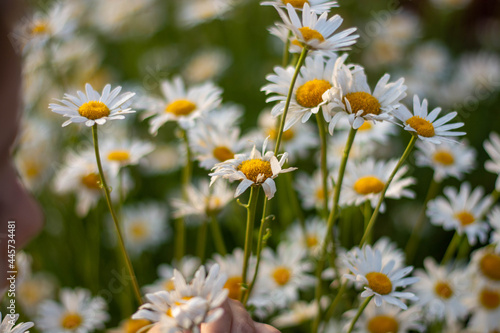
x: 443, y: 289
x: 311, y: 240
x: 255, y: 167
x: 422, y: 126
x: 134, y: 325
x: 465, y: 218
x: 309, y: 94
x: 308, y: 34
x: 169, y: 285
x: 320, y: 194
x: 233, y: 284
x: 443, y: 157
x: 71, y: 321
x: 184, y: 299
x: 92, y: 181
x: 31, y: 169
x: 368, y: 184
x: 119, y: 156
x: 222, y: 153
x: 39, y: 28
x: 366, y: 126
x: 282, y: 275
x: 490, y: 299
x: 295, y: 3
x: 93, y: 110
x: 379, y: 283
x: 181, y: 107
x: 382, y: 324
x: 30, y: 292
x: 363, y: 101
x: 490, y: 266
x: 285, y: 136
x: 138, y: 230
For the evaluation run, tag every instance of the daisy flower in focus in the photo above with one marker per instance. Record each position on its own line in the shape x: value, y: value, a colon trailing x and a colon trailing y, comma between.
x: 461, y: 211
x: 310, y: 190
x: 6, y: 325
x: 316, y: 33
x: 365, y: 181
x: 77, y: 312
x: 494, y: 219
x: 312, y: 239
x: 426, y: 125
x: 202, y: 201
x: 442, y: 292
x: 317, y: 6
x: 182, y: 104
x: 492, y: 147
x: 447, y: 159
x: 380, y: 281
x: 351, y: 97
x: 188, y: 305
x: 485, y: 308
x: 254, y: 169
x: 187, y: 266
x: 121, y: 153
x: 485, y: 263
x: 94, y: 108
x: 315, y: 78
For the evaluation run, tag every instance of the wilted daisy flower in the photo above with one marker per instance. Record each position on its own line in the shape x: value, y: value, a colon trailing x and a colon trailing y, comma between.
x: 351, y: 97
x: 206, y: 65
x: 461, y: 211
x: 485, y: 264
x: 202, y: 201
x: 298, y: 313
x: 365, y: 181
x: 380, y: 281
x: 282, y: 275
x: 315, y: 78
x: 8, y: 322
x: 77, y: 312
x: 93, y: 108
x: 426, y: 125
x: 252, y: 169
x: 310, y: 190
x: 188, y: 305
x: 181, y: 104
x: 316, y: 33
x: 187, y: 266
x: 494, y: 219
x: 145, y: 226
x: 442, y: 292
x: 317, y: 6
x: 492, y: 147
x: 447, y: 159
x: 121, y: 153
x: 485, y: 307
x: 387, y: 318
x: 312, y: 239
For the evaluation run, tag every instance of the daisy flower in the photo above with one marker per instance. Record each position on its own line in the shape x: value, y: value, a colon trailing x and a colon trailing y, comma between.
x: 312, y: 239
x: 310, y: 190
x: 33, y: 290
x: 121, y: 153
x: 336, y: 145
x: 447, y: 159
x: 131, y: 325
x: 78, y: 312
x: 485, y: 307
x: 298, y: 313
x: 8, y: 322
x: 187, y: 266
x: 254, y: 169
x: 188, y: 305
x: 206, y: 65
x: 317, y: 6
x: 442, y: 292
x: 494, y: 219
x: 94, y: 108
x: 314, y: 79
x: 387, y: 318
x: 365, y: 181
x: 380, y: 281
x: 485, y: 263
x: 196, y: 12
x: 461, y: 211
x: 426, y: 125
x: 370, y: 132
x: 202, y: 201
x: 183, y: 105
x: 492, y: 147
x: 316, y: 33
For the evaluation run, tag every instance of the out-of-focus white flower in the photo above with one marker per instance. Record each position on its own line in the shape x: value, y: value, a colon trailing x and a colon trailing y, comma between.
x: 310, y: 190
x: 494, y: 219
x: 311, y: 238
x: 485, y: 264
x: 187, y: 266
x: 195, y: 12
x: 492, y: 147
x: 317, y: 6
x: 298, y: 313
x: 484, y: 305
x: 120, y: 153
x: 206, y: 65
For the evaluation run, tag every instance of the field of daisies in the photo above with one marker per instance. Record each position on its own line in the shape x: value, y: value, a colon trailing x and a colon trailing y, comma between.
x: 315, y: 166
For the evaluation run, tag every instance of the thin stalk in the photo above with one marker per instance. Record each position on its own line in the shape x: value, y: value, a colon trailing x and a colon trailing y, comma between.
x: 411, y: 246
x: 324, y: 168
x: 360, y: 311
x: 180, y: 228
x: 202, y: 241
x: 367, y: 213
x: 288, y: 99
x: 261, y: 243
x: 286, y: 52
x: 336, y: 300
x: 403, y: 158
x: 251, y: 207
x: 115, y: 220
x: 294, y: 201
x: 463, y: 249
x: 220, y: 245
x: 452, y: 247
x: 331, y: 221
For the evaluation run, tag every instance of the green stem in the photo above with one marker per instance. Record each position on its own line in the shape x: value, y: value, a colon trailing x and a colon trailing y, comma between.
x: 452, y: 247
x: 288, y: 99
x: 324, y: 168
x: 367, y: 213
x: 464, y: 248
x: 331, y: 221
x: 220, y: 245
x: 115, y: 220
x: 202, y: 241
x: 411, y: 246
x: 403, y: 158
x: 251, y: 207
x: 336, y: 300
x: 286, y: 52
x: 180, y: 228
x: 360, y: 311
x: 294, y: 201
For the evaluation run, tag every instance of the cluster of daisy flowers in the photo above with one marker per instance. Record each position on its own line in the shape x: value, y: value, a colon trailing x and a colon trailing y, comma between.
x: 315, y: 247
